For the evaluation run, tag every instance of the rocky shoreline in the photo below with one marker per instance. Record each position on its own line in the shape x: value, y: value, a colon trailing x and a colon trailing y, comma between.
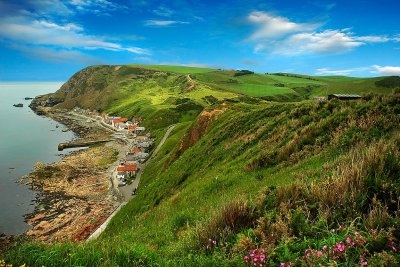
x: 74, y: 195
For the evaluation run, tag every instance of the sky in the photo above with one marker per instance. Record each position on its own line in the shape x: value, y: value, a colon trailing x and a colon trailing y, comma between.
x: 50, y: 40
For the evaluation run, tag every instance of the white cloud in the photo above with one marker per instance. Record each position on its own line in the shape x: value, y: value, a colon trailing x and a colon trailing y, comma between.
x: 397, y: 38
x: 161, y: 23
x: 326, y: 42
x: 375, y: 69
x: 66, y: 27
x: 56, y: 55
x: 374, y: 39
x: 279, y: 35
x: 98, y: 7
x: 163, y: 11
x: 386, y: 70
x: 50, y: 7
x: 30, y: 31
x: 345, y: 72
x: 272, y: 26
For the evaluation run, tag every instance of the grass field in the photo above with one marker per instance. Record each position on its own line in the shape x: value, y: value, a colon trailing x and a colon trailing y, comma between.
x: 240, y: 173
x: 277, y: 176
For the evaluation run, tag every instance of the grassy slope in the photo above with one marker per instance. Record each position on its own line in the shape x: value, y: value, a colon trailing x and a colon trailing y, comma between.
x: 244, y: 151
x: 292, y: 85
x: 155, y: 93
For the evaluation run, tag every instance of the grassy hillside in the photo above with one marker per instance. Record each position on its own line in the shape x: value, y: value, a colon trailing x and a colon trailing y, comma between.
x: 161, y: 93
x: 289, y: 87
x: 301, y: 184
x: 162, y: 98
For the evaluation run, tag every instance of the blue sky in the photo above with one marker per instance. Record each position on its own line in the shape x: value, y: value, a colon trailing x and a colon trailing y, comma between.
x: 49, y: 40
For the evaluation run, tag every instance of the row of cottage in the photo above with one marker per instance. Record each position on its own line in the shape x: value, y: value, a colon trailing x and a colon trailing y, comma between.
x: 139, y: 151
x: 119, y: 123
x: 130, y: 164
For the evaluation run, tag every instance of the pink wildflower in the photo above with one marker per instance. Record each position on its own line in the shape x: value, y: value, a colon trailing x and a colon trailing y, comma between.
x: 340, y: 246
x: 246, y: 259
x: 392, y: 245
x: 348, y: 240
x: 363, y: 262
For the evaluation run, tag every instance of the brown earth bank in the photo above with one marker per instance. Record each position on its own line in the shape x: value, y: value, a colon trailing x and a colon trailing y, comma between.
x: 75, y: 195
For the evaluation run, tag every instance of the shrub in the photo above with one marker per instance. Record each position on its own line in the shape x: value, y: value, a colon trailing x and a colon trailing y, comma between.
x: 232, y: 218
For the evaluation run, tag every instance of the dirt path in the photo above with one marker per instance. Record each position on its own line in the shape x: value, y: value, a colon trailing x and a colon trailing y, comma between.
x: 126, y: 191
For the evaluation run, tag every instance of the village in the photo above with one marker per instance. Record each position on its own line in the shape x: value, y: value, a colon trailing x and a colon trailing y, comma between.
x: 125, y: 175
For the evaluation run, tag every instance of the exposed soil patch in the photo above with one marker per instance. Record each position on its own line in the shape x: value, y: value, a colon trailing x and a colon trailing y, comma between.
x: 199, y: 129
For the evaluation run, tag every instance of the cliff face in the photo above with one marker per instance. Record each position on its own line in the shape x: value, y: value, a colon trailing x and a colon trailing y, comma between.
x: 88, y: 88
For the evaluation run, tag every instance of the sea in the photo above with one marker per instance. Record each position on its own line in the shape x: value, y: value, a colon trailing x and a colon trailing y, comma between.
x: 25, y: 138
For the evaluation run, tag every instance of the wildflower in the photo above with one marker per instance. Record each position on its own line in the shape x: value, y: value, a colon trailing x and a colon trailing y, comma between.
x: 325, y: 247
x: 256, y: 257
x: 319, y: 253
x: 360, y: 237
x: 340, y: 246
x: 308, y: 252
x: 348, y: 240
x: 392, y: 245
x: 363, y: 262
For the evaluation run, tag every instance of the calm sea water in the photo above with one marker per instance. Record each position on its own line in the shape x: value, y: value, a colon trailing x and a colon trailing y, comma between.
x: 25, y: 138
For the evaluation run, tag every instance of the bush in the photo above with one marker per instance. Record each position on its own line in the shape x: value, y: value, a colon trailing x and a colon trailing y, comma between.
x: 233, y: 217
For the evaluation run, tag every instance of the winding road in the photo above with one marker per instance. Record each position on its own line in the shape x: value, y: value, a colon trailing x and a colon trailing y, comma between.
x: 126, y: 191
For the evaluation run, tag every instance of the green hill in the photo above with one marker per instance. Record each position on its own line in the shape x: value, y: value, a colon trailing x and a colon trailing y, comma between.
x: 243, y: 173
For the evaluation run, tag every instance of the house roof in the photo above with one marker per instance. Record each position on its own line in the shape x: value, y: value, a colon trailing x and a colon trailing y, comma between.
x: 127, y: 168
x: 131, y: 167
x: 121, y: 169
x: 120, y: 120
x: 132, y: 127
x: 346, y: 96
x: 136, y: 149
